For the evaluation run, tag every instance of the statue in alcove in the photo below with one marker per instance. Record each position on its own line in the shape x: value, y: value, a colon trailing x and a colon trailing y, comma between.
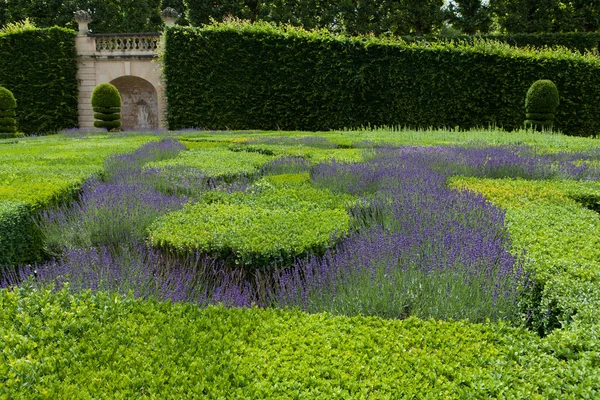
x: 143, y: 112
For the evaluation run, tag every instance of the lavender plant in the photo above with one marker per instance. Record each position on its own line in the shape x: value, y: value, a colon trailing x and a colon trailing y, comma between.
x: 115, y: 211
x: 421, y: 248
x: 139, y: 270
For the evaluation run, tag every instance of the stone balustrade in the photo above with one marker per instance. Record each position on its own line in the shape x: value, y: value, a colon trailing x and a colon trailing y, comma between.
x: 129, y: 43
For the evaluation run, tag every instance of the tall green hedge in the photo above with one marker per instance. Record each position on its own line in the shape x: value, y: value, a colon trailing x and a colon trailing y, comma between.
x: 238, y: 75
x: 39, y: 67
x: 576, y: 41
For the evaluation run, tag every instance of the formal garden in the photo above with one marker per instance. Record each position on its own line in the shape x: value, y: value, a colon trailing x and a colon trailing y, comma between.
x: 328, y: 216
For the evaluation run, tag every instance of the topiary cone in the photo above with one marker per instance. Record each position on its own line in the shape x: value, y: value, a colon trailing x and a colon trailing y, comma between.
x: 8, y: 104
x: 540, y: 105
x: 106, y: 103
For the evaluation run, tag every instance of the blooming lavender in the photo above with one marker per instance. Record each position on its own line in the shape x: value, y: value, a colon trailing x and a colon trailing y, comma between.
x: 114, y: 211
x: 517, y: 162
x: 420, y: 249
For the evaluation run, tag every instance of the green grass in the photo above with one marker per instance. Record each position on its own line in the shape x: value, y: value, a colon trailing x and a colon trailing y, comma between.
x: 40, y: 170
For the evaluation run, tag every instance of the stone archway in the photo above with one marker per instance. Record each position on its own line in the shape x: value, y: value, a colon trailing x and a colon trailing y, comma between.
x: 140, y: 103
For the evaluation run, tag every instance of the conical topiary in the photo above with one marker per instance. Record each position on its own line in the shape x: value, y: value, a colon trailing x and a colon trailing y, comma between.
x: 106, y: 102
x: 8, y: 104
x: 540, y: 105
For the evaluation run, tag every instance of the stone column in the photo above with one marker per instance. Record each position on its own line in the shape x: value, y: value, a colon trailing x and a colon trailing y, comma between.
x: 169, y: 16
x: 86, y: 72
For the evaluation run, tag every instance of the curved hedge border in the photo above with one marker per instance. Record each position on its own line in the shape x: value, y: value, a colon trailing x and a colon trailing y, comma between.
x: 267, y: 224
x: 39, y: 67
x: 239, y: 75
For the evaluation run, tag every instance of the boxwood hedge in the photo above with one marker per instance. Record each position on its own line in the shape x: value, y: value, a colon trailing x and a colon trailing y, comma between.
x: 273, y: 222
x: 240, y: 75
x: 19, y: 240
x: 57, y: 345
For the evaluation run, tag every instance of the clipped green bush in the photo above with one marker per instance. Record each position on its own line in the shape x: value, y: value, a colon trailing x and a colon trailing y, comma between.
x: 19, y: 238
x: 8, y: 123
x: 217, y: 162
x: 267, y: 224
x: 106, y: 102
x: 540, y: 104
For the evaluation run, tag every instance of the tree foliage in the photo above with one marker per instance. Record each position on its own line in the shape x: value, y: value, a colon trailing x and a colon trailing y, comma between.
x: 108, y: 15
x: 540, y: 16
x: 469, y: 16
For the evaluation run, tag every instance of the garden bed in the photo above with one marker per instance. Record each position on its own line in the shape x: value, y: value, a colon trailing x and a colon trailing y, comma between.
x: 469, y: 268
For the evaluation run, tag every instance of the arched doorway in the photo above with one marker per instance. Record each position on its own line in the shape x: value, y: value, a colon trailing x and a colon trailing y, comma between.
x: 140, y: 103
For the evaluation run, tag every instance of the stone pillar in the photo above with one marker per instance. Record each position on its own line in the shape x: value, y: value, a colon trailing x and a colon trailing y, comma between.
x: 169, y: 16
x: 86, y: 71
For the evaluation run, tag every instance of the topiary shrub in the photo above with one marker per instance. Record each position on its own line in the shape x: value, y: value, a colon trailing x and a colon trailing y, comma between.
x: 106, y: 102
x: 540, y: 105
x: 8, y: 104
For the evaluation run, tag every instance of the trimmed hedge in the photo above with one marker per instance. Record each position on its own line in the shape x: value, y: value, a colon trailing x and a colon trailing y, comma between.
x: 106, y: 102
x: 540, y: 104
x: 8, y: 103
x: 217, y: 162
x: 39, y: 67
x: 576, y: 41
x: 239, y: 75
x: 19, y: 241
x: 272, y: 222
x: 59, y: 345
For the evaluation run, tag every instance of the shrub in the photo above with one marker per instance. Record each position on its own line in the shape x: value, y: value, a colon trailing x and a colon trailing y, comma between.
x: 70, y: 346
x: 106, y: 102
x: 217, y: 162
x: 540, y: 104
x: 8, y: 124
x: 19, y: 241
x: 254, y: 229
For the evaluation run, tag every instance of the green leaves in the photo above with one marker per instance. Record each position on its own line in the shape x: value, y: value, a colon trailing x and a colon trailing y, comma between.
x: 254, y: 229
x: 39, y: 67
x: 61, y: 345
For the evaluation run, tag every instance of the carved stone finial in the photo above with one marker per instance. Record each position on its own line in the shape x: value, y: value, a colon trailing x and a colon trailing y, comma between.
x: 169, y: 15
x: 82, y: 15
x: 83, y: 18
